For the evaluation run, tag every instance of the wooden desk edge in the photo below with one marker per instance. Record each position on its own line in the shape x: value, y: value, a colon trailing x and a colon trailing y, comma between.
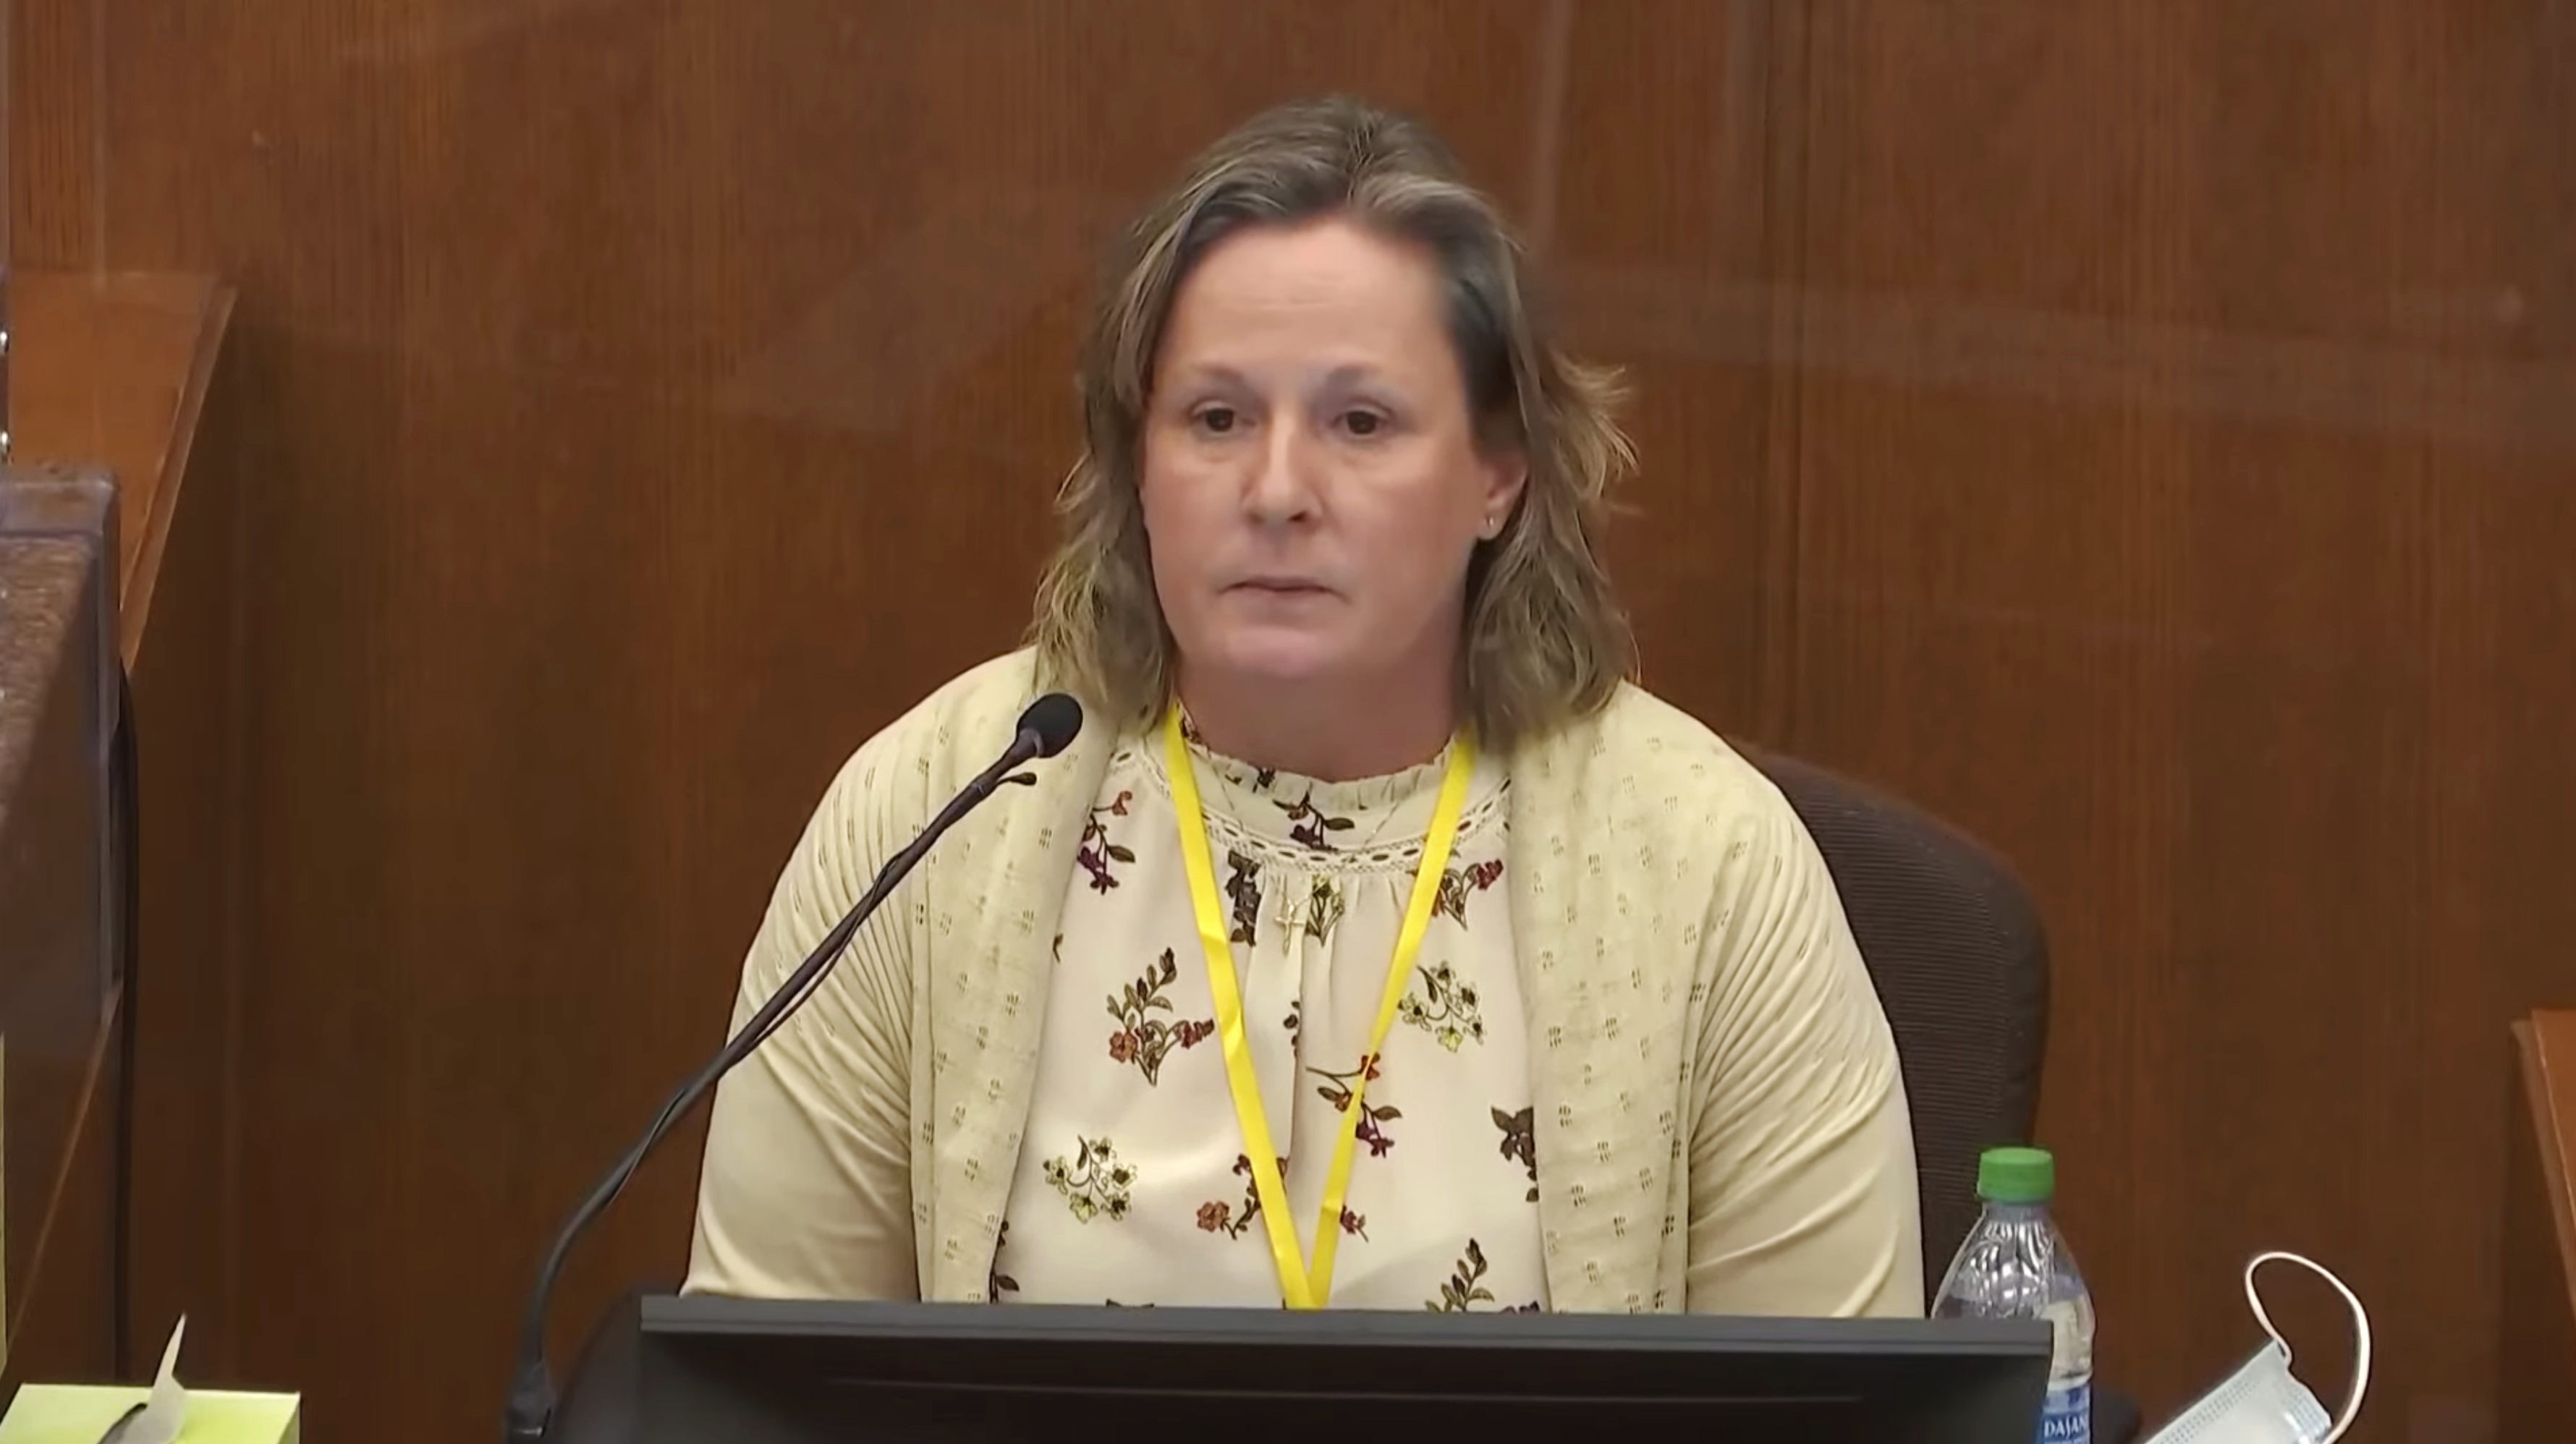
x: 2547, y: 1042
x: 136, y: 587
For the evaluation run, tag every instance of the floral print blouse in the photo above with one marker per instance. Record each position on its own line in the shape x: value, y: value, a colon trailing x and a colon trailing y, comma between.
x: 1133, y: 1186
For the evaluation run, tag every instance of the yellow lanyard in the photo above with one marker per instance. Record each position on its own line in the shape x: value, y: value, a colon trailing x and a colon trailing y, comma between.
x: 1299, y: 1286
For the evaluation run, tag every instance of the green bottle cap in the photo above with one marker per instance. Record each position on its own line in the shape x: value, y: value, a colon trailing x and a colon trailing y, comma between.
x: 2016, y: 1175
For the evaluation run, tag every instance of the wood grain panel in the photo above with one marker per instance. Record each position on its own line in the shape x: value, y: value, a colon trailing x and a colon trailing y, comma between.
x: 2178, y: 514
x: 1662, y: 192
x: 57, y: 60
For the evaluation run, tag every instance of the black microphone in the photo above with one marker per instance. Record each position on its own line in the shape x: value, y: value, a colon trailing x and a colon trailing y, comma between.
x: 1045, y: 729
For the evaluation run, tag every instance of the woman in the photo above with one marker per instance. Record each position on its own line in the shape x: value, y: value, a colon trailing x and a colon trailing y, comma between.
x: 1375, y: 945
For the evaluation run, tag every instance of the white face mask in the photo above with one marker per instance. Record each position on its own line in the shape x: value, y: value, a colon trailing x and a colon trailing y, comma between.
x: 2261, y: 1403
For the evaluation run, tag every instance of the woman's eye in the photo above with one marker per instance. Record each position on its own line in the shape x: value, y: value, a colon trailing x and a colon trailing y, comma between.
x: 1216, y: 420
x: 1363, y: 423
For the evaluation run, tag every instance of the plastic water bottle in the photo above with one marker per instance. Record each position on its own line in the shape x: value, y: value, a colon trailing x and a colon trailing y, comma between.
x: 2015, y: 1265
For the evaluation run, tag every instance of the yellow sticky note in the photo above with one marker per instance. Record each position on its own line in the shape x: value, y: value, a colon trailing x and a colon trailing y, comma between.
x: 80, y: 1413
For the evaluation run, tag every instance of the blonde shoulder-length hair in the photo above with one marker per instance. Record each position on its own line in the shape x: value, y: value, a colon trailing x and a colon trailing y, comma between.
x: 1544, y: 640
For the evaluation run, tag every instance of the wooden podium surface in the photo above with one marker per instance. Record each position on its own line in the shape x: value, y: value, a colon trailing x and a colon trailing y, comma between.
x: 2536, y: 1334
x: 112, y: 372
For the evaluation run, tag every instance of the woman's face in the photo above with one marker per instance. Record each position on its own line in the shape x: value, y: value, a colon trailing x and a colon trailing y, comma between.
x: 1312, y: 485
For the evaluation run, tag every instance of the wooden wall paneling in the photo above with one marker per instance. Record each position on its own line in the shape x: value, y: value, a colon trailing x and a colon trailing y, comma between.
x: 2183, y: 513
x: 1671, y: 240
x: 57, y: 62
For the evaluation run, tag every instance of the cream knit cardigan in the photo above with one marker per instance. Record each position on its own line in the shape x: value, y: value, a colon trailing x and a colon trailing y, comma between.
x: 1721, y: 1125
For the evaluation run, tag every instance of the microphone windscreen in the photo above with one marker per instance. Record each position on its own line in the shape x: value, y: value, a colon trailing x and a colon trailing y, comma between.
x: 1054, y: 718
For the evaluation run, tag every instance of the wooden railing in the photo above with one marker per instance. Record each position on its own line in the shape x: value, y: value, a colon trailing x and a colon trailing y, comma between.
x: 2536, y: 1333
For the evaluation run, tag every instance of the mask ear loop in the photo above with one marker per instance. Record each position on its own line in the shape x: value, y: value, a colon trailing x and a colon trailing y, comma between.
x: 2361, y: 1327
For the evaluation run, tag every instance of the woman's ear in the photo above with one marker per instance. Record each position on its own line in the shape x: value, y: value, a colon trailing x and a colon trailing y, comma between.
x: 1505, y: 475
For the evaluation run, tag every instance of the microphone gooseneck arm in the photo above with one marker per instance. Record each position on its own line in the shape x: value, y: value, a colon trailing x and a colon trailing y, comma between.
x: 1043, y: 731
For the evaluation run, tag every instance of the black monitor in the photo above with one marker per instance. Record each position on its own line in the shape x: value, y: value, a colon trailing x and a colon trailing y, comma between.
x: 663, y: 1369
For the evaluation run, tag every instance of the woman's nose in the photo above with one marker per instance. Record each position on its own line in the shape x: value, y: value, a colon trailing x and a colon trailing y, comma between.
x: 1281, y: 487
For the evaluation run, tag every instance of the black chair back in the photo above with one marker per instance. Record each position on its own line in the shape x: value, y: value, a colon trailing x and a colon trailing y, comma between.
x: 1961, y: 966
